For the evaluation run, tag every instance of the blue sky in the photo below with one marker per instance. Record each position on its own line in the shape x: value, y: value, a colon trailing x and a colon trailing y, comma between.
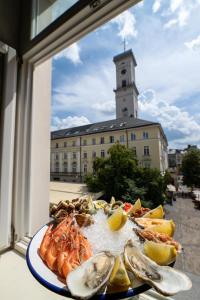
x: 165, y: 38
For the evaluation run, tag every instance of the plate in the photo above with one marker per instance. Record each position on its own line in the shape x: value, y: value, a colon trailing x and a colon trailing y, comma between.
x: 50, y: 280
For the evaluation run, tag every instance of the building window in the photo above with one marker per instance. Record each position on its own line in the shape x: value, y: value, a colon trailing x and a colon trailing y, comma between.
x: 123, y: 71
x: 134, y: 151
x: 94, y: 154
x: 84, y: 154
x: 65, y: 166
x: 57, y: 166
x: 145, y: 135
x: 93, y: 141
x: 121, y: 139
x: 102, y: 153
x: 102, y: 140
x: 57, y: 145
x: 65, y: 155
x: 84, y: 142
x: 65, y: 144
x: 74, y: 167
x: 112, y: 139
x: 125, y: 112
x: 133, y: 136
x: 56, y: 156
x: 147, y: 164
x: 74, y: 155
x: 73, y: 143
x: 85, y: 168
x: 123, y: 83
x: 146, y: 150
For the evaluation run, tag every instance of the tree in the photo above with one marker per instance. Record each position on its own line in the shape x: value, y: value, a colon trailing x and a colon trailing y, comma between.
x: 119, y: 175
x: 191, y: 168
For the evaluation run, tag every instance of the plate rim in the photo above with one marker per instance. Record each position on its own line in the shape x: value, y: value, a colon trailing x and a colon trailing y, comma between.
x: 65, y: 292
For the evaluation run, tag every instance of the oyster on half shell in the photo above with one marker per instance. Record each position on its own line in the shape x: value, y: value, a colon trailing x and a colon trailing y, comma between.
x: 89, y: 277
x: 165, y: 280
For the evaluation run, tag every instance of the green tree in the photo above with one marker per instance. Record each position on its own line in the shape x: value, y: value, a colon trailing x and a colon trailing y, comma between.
x: 191, y: 168
x: 118, y: 175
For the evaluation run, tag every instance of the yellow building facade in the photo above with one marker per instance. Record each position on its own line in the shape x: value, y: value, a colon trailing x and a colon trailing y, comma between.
x: 73, y: 150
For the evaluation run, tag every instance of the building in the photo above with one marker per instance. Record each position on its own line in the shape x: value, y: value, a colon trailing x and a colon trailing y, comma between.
x: 73, y: 150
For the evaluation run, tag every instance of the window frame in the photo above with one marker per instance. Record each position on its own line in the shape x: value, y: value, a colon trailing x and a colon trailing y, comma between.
x: 24, y: 184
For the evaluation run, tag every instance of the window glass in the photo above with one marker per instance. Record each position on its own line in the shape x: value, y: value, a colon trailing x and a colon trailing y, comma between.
x: 85, y: 154
x: 93, y: 141
x: 145, y: 135
x: 102, y: 140
x: 112, y: 139
x: 102, y: 153
x: 123, y: 83
x: 94, y: 154
x: 133, y: 136
x: 134, y: 151
x: 121, y: 139
x: 146, y: 150
x: 44, y: 12
x: 65, y: 144
x: 74, y: 155
x: 84, y: 142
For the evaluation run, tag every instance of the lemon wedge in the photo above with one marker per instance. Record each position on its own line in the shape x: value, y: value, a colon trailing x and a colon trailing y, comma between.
x: 161, y: 253
x: 135, y: 207
x: 156, y: 213
x: 167, y: 227
x: 99, y: 204
x: 117, y: 220
x: 112, y: 200
x: 119, y: 275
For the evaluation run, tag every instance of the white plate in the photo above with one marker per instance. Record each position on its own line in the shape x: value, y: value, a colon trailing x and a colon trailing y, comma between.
x: 50, y: 280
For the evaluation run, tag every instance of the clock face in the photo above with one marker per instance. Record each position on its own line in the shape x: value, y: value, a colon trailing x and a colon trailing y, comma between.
x: 123, y: 71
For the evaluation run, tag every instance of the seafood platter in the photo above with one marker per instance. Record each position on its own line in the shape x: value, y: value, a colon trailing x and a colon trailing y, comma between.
x: 99, y: 250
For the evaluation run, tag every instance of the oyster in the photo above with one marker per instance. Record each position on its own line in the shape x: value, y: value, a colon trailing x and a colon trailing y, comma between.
x: 165, y: 280
x: 88, y: 278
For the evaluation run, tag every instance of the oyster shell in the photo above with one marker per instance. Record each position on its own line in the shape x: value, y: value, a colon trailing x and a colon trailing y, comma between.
x: 165, y: 280
x: 88, y: 278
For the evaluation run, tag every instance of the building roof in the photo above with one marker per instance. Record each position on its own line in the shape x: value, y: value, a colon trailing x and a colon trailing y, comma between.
x: 124, y: 55
x: 111, y: 125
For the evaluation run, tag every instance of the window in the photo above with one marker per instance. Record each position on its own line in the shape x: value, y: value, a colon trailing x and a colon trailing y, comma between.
x: 73, y: 143
x: 74, y: 167
x: 133, y: 136
x: 146, y: 150
x: 57, y: 145
x: 94, y: 154
x: 134, y: 151
x: 112, y: 139
x: 145, y: 135
x: 123, y: 83
x: 102, y: 140
x: 57, y: 156
x: 121, y: 139
x: 65, y: 166
x: 93, y: 141
x: 125, y: 112
x: 85, y: 168
x: 74, y: 155
x: 147, y: 164
x: 57, y: 167
x: 65, y: 144
x: 102, y: 153
x: 123, y: 71
x: 84, y: 154
x: 65, y: 155
x: 84, y: 142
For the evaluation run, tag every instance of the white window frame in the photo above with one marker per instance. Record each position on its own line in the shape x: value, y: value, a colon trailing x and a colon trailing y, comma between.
x: 29, y: 193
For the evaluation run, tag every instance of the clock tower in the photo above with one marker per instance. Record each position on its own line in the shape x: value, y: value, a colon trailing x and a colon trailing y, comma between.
x: 126, y: 92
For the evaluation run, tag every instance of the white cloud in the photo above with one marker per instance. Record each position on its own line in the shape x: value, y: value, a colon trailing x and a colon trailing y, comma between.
x: 194, y: 44
x: 72, y: 53
x: 126, y: 24
x: 180, y: 12
x: 171, y: 118
x: 87, y: 94
x: 68, y: 122
x: 156, y: 6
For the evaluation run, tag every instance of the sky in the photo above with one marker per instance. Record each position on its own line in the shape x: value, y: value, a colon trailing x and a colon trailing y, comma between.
x: 165, y: 38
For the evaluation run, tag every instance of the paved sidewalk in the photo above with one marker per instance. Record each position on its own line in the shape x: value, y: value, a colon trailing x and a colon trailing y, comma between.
x: 187, y: 220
